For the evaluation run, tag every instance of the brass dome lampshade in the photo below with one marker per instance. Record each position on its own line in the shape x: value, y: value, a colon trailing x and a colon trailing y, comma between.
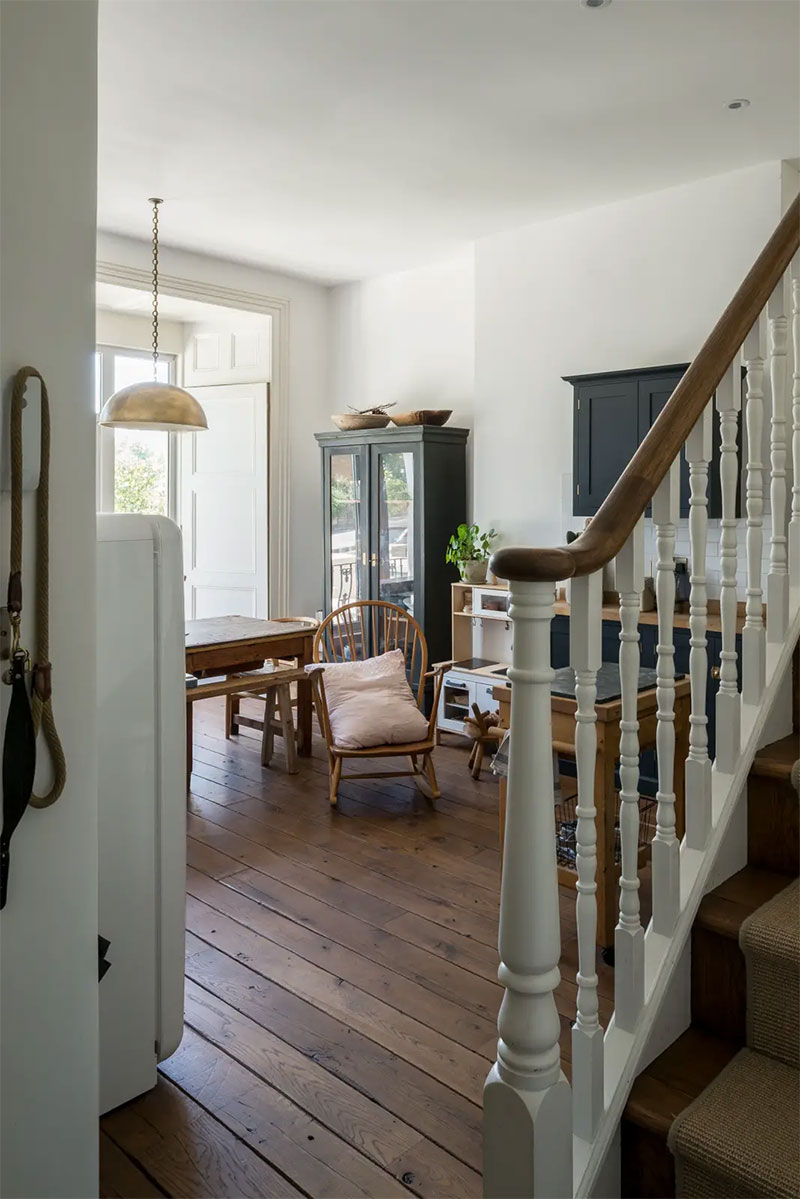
x: 154, y: 405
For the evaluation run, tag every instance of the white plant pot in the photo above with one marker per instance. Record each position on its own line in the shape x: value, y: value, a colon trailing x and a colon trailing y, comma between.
x: 474, y: 572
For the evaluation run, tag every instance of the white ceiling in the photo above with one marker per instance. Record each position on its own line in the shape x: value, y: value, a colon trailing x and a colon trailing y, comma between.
x: 344, y: 138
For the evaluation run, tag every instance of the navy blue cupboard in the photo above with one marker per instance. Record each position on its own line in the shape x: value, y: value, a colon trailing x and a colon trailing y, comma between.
x: 612, y: 414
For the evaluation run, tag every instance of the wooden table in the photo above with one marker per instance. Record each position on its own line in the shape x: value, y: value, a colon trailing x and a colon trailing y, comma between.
x: 608, y: 736
x: 230, y: 644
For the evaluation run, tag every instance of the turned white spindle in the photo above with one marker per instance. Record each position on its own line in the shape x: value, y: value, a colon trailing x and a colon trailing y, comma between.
x: 754, y: 640
x: 698, y: 763
x: 629, y: 934
x: 794, y: 525
x: 527, y: 1101
x: 665, y: 848
x: 586, y: 655
x: 778, y: 577
x: 728, y: 707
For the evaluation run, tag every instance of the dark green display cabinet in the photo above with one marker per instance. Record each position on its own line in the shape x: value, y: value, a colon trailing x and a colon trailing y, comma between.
x: 391, y: 499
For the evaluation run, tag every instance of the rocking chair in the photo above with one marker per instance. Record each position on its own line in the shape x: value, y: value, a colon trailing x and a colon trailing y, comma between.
x: 354, y: 633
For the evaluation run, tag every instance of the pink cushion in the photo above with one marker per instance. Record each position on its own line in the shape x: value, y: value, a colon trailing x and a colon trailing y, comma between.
x: 370, y: 703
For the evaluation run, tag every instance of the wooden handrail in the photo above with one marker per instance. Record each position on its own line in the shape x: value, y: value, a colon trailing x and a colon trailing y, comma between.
x: 614, y: 522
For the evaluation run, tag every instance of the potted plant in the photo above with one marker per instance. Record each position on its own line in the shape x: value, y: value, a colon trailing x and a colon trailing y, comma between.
x: 468, y: 549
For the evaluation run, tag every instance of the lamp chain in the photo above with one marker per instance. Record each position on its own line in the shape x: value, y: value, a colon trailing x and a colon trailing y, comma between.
x: 155, y: 204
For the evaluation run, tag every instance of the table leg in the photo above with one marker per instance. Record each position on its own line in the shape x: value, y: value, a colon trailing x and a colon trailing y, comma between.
x: 606, y: 804
x: 682, y: 708
x: 304, y: 706
x: 231, y: 714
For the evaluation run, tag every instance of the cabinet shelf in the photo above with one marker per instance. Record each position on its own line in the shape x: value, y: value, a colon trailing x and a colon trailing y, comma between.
x: 486, y: 615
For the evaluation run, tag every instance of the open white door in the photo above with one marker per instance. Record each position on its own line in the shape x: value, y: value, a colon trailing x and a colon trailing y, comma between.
x: 224, y: 503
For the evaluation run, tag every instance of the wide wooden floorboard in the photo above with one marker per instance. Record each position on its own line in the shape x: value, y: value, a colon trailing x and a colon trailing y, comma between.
x: 341, y: 991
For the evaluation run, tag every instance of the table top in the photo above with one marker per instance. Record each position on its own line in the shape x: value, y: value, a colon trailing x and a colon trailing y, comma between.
x: 609, y: 690
x: 609, y: 686
x: 226, y: 630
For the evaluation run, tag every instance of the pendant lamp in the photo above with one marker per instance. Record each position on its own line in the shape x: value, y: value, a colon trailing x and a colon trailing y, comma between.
x: 154, y: 405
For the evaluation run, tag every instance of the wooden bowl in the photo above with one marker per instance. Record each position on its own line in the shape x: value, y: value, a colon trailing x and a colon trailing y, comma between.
x: 425, y: 416
x: 347, y: 421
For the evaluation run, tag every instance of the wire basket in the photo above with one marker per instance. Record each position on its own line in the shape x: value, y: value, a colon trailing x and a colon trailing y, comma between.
x: 566, y: 822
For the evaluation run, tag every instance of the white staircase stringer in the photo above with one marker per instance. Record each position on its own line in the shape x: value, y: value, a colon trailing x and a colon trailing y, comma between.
x: 624, y: 1050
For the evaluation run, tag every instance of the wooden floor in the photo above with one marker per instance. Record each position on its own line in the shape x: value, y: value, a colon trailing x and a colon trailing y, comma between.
x: 341, y: 991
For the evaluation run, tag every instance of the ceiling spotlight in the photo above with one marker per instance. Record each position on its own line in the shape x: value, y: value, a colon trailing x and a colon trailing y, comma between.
x: 738, y: 104
x: 595, y: 3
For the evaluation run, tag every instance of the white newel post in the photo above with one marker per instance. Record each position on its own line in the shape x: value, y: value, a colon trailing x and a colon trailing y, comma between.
x: 629, y: 934
x: 586, y: 654
x: 794, y: 526
x: 778, y: 577
x: 698, y: 763
x: 527, y: 1101
x: 665, y: 847
x: 728, y: 712
x: 754, y: 641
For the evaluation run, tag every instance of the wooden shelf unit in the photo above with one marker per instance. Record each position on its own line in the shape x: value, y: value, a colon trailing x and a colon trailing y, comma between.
x: 482, y: 632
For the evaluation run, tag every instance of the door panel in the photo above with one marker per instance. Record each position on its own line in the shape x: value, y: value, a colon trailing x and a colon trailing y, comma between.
x: 605, y: 439
x: 394, y: 528
x: 224, y: 504
x: 347, y: 525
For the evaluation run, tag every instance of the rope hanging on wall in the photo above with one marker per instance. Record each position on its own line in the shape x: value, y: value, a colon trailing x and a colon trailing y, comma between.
x: 27, y: 716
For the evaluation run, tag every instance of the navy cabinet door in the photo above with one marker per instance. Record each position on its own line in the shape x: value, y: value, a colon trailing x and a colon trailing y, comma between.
x: 605, y: 438
x: 559, y: 642
x: 654, y: 391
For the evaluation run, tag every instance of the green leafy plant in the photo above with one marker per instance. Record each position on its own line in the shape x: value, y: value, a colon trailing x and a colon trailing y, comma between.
x: 469, y: 544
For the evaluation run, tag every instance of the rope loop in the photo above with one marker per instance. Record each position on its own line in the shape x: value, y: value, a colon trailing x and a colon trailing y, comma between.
x: 41, y: 705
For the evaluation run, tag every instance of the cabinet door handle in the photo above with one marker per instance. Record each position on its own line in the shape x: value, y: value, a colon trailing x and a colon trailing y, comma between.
x: 715, y: 672
x: 363, y: 557
x: 374, y: 561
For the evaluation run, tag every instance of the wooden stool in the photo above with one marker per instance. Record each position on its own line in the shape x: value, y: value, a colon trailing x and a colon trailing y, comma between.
x: 258, y: 684
x: 487, y: 736
x: 279, y: 699
x: 274, y: 687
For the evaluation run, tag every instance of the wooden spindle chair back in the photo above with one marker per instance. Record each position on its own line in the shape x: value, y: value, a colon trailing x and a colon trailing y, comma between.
x: 365, y: 628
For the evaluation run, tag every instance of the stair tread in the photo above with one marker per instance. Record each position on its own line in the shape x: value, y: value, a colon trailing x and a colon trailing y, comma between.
x: 776, y: 760
x: 725, y: 908
x: 676, y: 1078
x: 743, y: 1154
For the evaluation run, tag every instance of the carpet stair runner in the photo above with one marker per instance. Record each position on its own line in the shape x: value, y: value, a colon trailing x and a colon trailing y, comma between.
x: 718, y: 1114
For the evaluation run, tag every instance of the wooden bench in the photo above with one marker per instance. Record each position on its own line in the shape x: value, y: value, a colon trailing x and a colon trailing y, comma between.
x: 273, y: 686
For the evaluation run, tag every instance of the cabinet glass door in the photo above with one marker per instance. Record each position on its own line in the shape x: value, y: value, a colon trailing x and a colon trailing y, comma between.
x: 395, y: 496
x: 348, y: 526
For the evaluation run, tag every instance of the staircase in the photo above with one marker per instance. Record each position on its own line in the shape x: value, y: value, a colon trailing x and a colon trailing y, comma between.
x: 609, y: 1132
x: 718, y: 1030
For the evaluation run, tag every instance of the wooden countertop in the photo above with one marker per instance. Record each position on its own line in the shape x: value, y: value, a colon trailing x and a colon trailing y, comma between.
x: 680, y: 619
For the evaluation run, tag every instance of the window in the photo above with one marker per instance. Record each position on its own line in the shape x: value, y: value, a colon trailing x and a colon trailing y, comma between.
x: 135, y: 467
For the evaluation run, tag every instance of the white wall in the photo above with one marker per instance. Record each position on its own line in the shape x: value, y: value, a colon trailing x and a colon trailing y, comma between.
x: 638, y: 283
x: 48, y: 931
x: 309, y: 386
x: 407, y: 339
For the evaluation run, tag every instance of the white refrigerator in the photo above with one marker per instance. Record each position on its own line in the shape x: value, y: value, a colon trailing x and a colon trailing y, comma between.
x: 141, y: 798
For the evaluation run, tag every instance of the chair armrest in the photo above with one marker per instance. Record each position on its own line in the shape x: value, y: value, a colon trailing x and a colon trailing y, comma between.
x: 438, y: 668
x: 315, y: 672
x: 438, y: 674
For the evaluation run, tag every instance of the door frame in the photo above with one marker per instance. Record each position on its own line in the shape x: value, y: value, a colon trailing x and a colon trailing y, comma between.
x: 277, y: 308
